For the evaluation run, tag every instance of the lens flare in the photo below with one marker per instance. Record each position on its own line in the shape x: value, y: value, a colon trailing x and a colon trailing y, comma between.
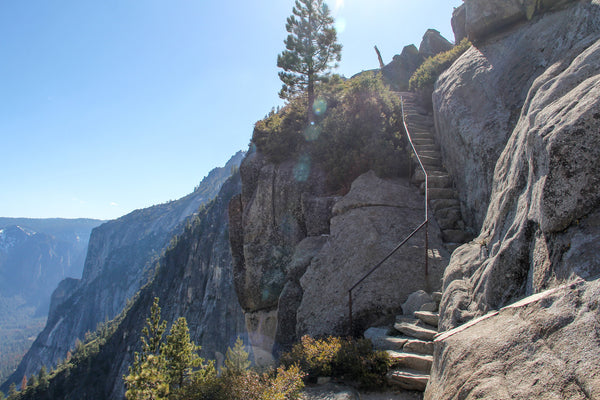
x: 312, y: 132
x: 302, y: 168
x: 319, y: 107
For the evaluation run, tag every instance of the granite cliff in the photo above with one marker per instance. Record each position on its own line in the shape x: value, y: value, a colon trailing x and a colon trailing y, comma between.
x: 121, y: 258
x: 193, y: 279
x: 518, y: 120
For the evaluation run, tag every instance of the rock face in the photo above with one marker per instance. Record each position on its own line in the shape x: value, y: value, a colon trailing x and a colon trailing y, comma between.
x: 367, y: 224
x: 519, y: 124
x: 267, y: 222
x: 483, y: 18
x: 433, y: 43
x: 194, y: 279
x: 291, y: 284
x: 398, y: 72
x: 36, y: 254
x: 478, y: 101
x: 121, y: 258
x: 545, y: 347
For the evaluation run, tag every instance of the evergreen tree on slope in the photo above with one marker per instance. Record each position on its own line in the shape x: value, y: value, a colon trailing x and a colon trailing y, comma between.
x: 310, y: 49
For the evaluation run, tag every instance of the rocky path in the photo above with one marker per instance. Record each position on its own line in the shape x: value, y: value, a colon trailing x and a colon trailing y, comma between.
x: 410, y: 345
x: 443, y: 197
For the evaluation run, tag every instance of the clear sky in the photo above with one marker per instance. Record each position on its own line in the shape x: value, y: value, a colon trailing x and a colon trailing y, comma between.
x: 112, y: 105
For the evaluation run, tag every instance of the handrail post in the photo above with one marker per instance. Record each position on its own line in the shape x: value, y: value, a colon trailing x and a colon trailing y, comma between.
x: 426, y: 247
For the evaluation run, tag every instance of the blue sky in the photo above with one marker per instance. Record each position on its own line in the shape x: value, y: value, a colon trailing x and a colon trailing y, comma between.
x: 113, y: 105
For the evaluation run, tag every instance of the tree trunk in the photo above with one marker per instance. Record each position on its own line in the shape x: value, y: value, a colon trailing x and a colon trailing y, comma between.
x: 311, y: 97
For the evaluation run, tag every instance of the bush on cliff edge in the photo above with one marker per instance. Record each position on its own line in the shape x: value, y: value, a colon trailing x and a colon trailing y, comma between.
x: 357, y: 128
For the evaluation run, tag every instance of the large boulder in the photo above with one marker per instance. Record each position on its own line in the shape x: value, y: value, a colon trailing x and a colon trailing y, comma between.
x: 398, y: 72
x: 487, y: 17
x: 459, y: 17
x: 367, y: 224
x: 433, y: 43
x: 478, y: 100
x: 544, y: 347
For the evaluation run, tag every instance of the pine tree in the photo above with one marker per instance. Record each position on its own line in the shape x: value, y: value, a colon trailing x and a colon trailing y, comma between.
x: 153, y: 331
x: 180, y: 353
x: 13, y: 393
x: 147, y: 377
x: 236, y: 359
x: 149, y: 381
x: 43, y: 378
x: 310, y: 49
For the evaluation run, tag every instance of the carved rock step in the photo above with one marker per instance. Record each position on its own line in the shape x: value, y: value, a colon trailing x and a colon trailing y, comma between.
x: 423, y: 142
x: 408, y: 380
x: 431, y: 161
x: 439, y: 181
x: 421, y: 135
x: 418, y: 346
x: 432, y: 154
x: 439, y: 204
x: 414, y: 330
x: 419, y: 362
x: 426, y: 147
x: 430, y: 318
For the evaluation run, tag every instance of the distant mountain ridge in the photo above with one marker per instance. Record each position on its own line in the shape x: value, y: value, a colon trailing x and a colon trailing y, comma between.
x: 35, y: 255
x: 121, y: 258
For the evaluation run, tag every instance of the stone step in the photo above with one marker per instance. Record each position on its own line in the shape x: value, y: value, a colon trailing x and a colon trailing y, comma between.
x: 414, y: 330
x: 431, y: 318
x: 440, y: 204
x: 382, y: 341
x: 419, y: 362
x: 418, y: 346
x: 426, y: 147
x: 450, y: 224
x: 442, y: 193
x: 455, y: 236
x: 449, y: 218
x: 421, y: 135
x: 418, y: 142
x: 431, y: 154
x: 408, y: 380
x: 420, y: 126
x: 439, y: 181
x: 431, y: 161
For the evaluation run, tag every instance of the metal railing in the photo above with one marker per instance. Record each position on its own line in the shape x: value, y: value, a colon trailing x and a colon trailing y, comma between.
x: 424, y: 224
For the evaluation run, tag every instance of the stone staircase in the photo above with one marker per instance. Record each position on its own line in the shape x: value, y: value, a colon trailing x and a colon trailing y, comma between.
x: 409, y: 344
x: 443, y: 197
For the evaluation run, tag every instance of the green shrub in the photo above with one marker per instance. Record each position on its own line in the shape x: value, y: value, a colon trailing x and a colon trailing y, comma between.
x: 349, y: 359
x: 357, y: 127
x: 425, y: 76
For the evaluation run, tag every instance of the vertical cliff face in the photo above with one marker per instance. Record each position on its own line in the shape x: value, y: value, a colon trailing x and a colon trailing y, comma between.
x: 298, y: 251
x: 194, y: 279
x: 121, y: 258
x: 518, y: 117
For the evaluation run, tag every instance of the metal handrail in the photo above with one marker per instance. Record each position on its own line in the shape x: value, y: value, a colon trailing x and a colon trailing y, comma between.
x: 424, y: 224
